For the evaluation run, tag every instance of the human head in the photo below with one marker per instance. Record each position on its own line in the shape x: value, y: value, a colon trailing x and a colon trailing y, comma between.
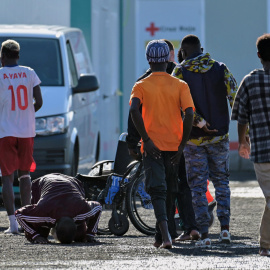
x: 157, y: 55
x: 190, y: 44
x: 65, y: 230
x: 171, y: 48
x: 10, y: 51
x: 263, y: 47
x: 157, y: 51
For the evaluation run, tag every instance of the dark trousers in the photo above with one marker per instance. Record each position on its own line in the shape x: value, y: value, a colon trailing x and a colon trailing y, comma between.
x: 184, y: 199
x: 161, y: 184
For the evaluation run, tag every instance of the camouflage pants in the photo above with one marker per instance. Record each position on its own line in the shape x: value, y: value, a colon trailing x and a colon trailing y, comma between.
x: 211, y: 162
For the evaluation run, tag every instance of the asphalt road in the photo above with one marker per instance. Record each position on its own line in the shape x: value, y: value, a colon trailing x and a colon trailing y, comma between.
x: 135, y: 251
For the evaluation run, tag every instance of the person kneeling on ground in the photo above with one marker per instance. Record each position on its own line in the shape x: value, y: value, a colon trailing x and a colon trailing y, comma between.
x: 58, y: 202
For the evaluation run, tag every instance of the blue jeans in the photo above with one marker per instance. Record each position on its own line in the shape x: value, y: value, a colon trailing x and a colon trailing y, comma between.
x: 211, y: 162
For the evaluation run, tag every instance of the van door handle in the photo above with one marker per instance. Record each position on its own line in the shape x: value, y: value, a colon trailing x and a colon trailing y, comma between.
x: 83, y: 99
x: 105, y: 96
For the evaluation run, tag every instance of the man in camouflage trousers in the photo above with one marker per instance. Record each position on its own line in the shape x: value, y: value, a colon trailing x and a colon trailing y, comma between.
x: 207, y: 150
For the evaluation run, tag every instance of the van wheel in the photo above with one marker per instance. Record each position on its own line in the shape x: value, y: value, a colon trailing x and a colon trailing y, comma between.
x: 75, y: 161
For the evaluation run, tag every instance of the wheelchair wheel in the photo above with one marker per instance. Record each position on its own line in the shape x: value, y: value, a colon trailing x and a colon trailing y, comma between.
x: 120, y: 228
x: 139, y: 206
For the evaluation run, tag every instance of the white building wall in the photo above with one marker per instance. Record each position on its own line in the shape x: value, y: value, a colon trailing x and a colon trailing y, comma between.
x: 105, y: 58
x: 53, y: 12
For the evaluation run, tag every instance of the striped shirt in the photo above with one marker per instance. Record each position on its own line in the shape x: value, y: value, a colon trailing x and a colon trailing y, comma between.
x: 252, y: 106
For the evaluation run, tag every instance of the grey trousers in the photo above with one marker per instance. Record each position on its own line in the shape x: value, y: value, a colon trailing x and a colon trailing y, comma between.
x: 262, y: 171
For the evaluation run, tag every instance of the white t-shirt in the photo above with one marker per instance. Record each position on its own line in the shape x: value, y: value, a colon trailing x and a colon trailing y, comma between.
x: 17, y: 112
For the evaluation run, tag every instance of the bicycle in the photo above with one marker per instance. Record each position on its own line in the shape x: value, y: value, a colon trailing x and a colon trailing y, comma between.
x: 119, y: 186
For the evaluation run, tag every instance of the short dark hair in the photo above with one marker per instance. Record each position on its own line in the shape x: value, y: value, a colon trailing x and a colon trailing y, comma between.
x: 179, y: 56
x: 171, y: 47
x: 65, y: 230
x: 11, y: 49
x: 191, y: 40
x: 263, y: 46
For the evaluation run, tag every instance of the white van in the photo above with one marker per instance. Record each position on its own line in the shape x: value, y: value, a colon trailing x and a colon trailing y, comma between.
x: 67, y: 126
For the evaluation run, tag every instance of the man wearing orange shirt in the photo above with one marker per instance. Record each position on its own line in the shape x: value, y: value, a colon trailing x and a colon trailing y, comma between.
x: 163, y: 132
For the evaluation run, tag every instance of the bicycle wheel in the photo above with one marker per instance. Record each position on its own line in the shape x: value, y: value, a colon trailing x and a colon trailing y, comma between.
x: 139, y: 206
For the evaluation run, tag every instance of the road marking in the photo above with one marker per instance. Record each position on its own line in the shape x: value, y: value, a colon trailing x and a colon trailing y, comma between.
x: 247, y: 192
x: 242, y: 189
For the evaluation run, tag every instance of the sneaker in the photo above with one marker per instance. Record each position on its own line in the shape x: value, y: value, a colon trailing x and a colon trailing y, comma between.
x: 264, y: 252
x: 205, y: 243
x: 9, y: 231
x: 224, y: 237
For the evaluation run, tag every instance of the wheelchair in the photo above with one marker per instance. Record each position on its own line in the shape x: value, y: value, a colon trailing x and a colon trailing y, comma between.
x: 119, y: 185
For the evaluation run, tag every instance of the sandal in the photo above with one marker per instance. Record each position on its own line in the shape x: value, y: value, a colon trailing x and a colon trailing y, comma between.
x: 183, y: 237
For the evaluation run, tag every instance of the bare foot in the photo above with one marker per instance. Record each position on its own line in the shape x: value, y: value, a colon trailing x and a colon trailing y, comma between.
x: 195, y: 235
x: 166, y: 245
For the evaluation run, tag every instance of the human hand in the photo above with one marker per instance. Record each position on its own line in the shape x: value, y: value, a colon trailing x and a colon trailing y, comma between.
x: 150, y: 148
x: 40, y: 240
x: 175, y: 159
x: 244, y: 150
x: 209, y: 131
x: 134, y: 154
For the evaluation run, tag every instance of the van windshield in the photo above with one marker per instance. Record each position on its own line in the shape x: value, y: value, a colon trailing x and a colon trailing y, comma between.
x: 42, y: 55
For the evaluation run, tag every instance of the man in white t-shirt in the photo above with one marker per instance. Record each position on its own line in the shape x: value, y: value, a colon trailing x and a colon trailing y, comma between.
x: 19, y: 85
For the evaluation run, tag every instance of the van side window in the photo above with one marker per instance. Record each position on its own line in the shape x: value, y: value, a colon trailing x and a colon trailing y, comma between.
x: 80, y: 52
x: 72, y: 67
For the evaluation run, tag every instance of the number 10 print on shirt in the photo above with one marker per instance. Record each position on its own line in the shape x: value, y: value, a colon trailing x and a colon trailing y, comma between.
x: 21, y: 93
